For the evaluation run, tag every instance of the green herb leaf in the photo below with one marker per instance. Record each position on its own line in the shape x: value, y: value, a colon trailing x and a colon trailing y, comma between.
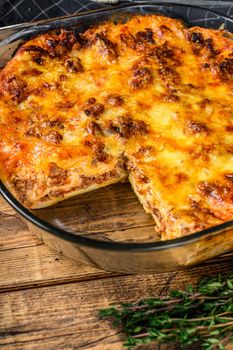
x: 201, y: 315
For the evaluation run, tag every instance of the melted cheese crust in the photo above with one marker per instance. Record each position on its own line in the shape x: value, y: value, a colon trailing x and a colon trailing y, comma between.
x: 151, y: 99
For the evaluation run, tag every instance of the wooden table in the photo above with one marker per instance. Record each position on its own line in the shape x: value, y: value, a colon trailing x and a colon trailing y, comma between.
x: 48, y: 301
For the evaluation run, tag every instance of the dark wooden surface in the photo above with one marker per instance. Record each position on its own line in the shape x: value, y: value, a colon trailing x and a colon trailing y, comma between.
x: 50, y: 302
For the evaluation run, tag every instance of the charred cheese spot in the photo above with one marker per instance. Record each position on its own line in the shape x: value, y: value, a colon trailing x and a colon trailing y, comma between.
x: 42, y: 121
x: 165, y: 29
x: 204, y: 103
x: 226, y: 67
x: 163, y: 52
x: 171, y: 98
x: 199, y: 43
x: 34, y: 48
x: 210, y: 47
x: 106, y: 47
x: 49, y: 86
x: 197, y: 38
x: 181, y: 177
x: 56, y: 48
x: 69, y: 39
x: 128, y: 40
x: 74, y: 65
x: 206, y: 65
x: 17, y: 88
x: 115, y: 100
x: 93, y: 128
x: 229, y: 149
x: 97, y: 147
x: 37, y: 53
x: 33, y: 72
x: 202, y: 152
x: 139, y: 41
x: 52, y: 136
x: 194, y: 127
x: 52, y: 124
x: 39, y: 59
x: 219, y: 193
x: 145, y: 36
x: 142, y: 151
x: 141, y: 78
x: 127, y: 127
x: 167, y: 55
x: 95, y: 110
x: 63, y: 77
x: 169, y: 77
x: 229, y: 128
x: 91, y: 100
x: 65, y: 105
x: 37, y: 92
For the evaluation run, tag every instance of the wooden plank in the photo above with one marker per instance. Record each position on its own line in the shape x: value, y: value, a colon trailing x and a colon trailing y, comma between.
x: 113, y: 213
x: 14, y: 232
x: 65, y: 316
x: 39, y: 266
x: 5, y: 207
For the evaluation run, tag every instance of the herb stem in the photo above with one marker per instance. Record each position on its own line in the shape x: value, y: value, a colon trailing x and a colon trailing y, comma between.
x: 203, y: 315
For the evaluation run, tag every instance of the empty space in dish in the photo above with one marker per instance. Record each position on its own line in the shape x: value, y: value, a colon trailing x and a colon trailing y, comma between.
x: 112, y: 213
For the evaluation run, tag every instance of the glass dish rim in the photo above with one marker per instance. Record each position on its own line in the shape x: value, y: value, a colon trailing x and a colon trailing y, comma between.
x: 90, y: 242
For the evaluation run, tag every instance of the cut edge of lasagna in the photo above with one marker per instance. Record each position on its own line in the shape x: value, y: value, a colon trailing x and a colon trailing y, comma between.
x: 92, y: 183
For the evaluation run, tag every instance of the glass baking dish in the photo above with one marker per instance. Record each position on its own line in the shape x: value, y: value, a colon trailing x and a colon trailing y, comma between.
x: 108, y: 228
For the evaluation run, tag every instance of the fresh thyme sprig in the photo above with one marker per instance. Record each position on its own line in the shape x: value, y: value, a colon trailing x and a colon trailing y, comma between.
x: 203, y: 315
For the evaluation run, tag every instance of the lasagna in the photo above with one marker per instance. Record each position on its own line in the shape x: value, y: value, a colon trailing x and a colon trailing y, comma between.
x: 149, y: 101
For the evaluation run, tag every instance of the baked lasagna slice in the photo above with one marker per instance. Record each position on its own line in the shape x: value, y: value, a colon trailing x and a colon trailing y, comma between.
x: 149, y: 100
x: 51, y: 143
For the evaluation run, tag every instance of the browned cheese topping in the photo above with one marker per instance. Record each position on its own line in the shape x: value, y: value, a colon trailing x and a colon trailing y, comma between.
x: 149, y: 100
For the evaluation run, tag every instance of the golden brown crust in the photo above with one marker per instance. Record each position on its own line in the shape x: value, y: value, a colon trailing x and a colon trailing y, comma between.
x: 150, y: 95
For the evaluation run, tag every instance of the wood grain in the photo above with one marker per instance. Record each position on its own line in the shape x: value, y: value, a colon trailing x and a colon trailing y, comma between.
x: 25, y: 261
x: 112, y: 213
x: 50, y: 302
x: 65, y: 316
x: 14, y: 232
x: 39, y: 265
